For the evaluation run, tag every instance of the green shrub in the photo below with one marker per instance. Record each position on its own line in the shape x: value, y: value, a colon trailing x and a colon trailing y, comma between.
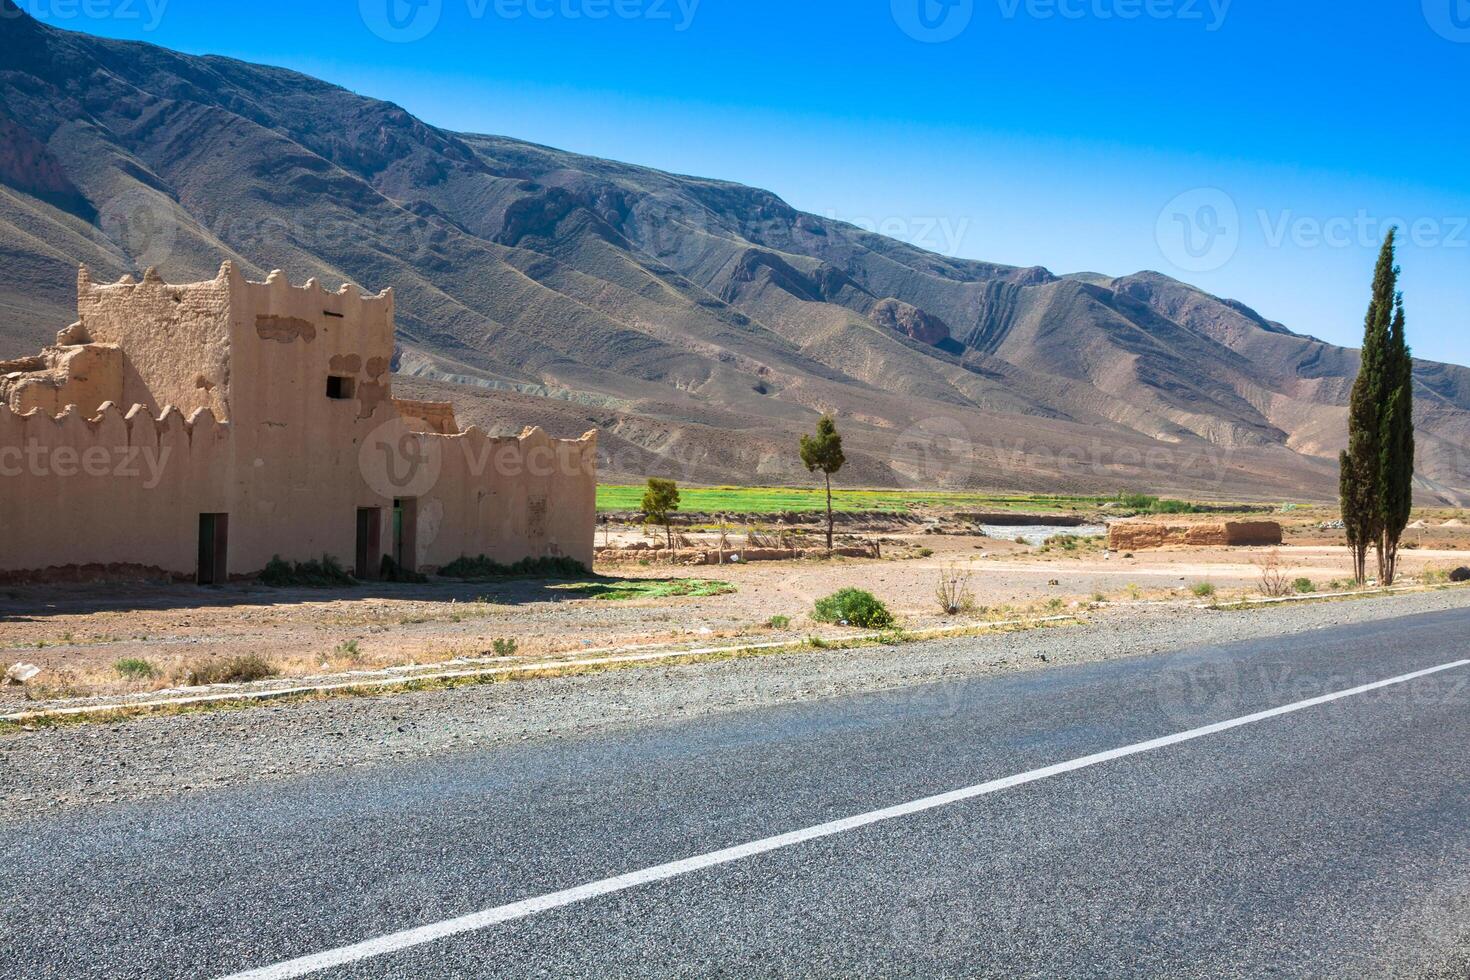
x: 853, y: 607
x: 504, y: 648
x: 236, y: 670
x: 1304, y: 585
x: 136, y: 669
x: 349, y: 649
x: 324, y: 574
x: 778, y: 622
x: 482, y: 567
x: 1202, y: 589
x: 1146, y: 504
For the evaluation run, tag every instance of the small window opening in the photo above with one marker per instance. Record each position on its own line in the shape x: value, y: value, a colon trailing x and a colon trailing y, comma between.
x: 341, y: 388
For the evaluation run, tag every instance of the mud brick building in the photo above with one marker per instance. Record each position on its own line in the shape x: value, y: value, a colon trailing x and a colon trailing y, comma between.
x: 198, y: 430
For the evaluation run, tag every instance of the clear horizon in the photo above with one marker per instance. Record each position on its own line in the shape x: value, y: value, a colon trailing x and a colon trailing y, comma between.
x: 1259, y: 154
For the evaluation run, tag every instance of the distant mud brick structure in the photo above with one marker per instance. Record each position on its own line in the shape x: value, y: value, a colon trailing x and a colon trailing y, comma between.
x: 196, y: 431
x: 1141, y: 535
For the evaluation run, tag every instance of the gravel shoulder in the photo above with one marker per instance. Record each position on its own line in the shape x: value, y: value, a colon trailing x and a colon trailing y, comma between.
x: 155, y: 757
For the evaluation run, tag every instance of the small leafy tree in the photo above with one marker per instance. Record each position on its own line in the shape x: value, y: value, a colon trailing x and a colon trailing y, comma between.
x: 660, y: 501
x: 823, y: 453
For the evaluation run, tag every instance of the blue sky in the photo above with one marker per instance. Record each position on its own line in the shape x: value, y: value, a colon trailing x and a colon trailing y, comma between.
x: 1257, y: 148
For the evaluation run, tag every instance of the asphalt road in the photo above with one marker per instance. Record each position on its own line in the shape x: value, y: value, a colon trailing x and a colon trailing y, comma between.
x: 1329, y: 841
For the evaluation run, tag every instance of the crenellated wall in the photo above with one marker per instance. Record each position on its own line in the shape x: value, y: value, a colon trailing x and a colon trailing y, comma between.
x: 110, y: 490
x: 175, y: 339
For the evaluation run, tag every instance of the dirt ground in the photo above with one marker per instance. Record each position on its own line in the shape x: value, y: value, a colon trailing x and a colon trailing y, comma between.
x: 78, y: 634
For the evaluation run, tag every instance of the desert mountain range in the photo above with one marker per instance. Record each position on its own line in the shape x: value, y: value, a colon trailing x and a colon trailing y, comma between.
x: 700, y: 324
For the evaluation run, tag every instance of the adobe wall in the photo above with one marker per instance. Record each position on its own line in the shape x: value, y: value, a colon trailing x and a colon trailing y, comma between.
x: 121, y: 490
x: 516, y: 497
x: 299, y: 481
x: 174, y: 338
x: 428, y: 416
x: 84, y: 375
x: 1142, y: 535
x: 111, y: 490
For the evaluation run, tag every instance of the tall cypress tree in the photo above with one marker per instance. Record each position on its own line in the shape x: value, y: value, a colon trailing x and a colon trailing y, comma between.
x: 1362, y: 465
x: 1396, y: 449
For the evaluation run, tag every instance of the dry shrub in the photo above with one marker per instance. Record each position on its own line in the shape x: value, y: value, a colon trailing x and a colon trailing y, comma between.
x: 760, y: 537
x: 953, y: 592
x: 1274, y: 580
x: 235, y: 670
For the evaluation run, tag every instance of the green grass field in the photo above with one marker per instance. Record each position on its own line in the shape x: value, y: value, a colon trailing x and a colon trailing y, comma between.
x: 772, y: 500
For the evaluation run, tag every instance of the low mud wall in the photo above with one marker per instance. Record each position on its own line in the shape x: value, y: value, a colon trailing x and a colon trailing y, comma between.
x: 1142, y: 535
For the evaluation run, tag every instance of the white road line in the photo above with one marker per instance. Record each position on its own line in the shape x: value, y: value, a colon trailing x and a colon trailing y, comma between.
x: 519, y: 910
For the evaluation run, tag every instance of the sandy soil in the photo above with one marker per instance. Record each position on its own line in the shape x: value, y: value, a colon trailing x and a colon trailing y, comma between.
x: 77, y: 634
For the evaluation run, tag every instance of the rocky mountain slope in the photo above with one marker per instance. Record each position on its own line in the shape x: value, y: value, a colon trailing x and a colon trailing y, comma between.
x: 700, y: 323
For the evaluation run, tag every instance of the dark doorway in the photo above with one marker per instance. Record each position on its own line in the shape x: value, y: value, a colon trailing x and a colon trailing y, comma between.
x: 405, y: 527
x: 214, y: 546
x: 369, y: 542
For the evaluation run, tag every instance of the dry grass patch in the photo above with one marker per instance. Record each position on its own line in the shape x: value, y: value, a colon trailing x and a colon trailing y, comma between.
x: 233, y: 670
